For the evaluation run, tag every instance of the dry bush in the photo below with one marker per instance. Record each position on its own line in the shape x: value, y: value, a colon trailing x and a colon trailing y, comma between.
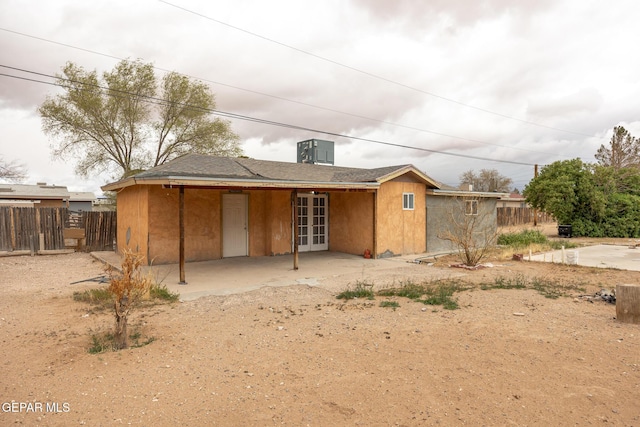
x: 471, y: 229
x: 128, y: 288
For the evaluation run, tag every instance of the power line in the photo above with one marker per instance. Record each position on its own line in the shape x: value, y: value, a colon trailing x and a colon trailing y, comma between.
x: 370, y: 74
x: 156, y: 100
x: 291, y: 100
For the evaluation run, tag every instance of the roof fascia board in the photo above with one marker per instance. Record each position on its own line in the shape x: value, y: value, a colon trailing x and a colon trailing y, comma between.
x: 486, y: 195
x: 403, y: 171
x: 235, y: 183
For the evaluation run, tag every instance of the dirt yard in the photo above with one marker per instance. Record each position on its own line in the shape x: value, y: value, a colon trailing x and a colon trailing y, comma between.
x: 298, y: 356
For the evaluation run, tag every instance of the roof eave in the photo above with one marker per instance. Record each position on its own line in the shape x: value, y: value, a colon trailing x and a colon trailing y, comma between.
x: 409, y: 168
x: 178, y: 181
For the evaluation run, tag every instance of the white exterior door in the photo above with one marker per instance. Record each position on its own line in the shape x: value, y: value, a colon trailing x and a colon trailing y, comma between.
x: 313, y: 226
x: 234, y: 225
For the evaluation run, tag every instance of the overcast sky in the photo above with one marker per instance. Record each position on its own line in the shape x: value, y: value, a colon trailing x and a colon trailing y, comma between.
x: 492, y: 84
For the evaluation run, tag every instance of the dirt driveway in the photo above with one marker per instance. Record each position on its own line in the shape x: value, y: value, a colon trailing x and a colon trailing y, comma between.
x: 296, y: 355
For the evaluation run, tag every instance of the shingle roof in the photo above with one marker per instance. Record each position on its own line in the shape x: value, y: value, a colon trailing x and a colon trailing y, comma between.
x: 265, y: 171
x: 33, y: 192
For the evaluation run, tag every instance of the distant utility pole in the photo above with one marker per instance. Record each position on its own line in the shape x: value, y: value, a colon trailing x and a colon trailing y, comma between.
x: 535, y: 211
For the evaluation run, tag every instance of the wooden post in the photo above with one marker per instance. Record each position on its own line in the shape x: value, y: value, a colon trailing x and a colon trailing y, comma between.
x: 535, y: 211
x: 181, y: 214
x: 294, y: 195
x: 628, y: 303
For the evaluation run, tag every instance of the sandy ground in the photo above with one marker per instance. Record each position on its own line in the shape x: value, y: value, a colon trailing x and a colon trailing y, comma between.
x: 298, y: 356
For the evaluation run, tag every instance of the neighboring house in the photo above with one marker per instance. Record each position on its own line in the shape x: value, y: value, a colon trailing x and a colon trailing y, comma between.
x: 102, y: 204
x: 513, y: 200
x: 80, y: 201
x: 243, y: 207
x: 40, y: 195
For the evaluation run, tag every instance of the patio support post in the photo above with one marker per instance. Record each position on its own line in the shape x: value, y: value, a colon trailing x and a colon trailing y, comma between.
x: 294, y: 196
x: 181, y: 215
x: 375, y: 224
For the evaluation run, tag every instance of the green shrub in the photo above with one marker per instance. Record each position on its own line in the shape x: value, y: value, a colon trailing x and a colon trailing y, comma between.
x: 522, y: 239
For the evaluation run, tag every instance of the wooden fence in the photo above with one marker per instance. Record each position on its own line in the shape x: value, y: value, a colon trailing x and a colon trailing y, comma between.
x: 44, y: 229
x: 520, y: 216
x: 99, y: 230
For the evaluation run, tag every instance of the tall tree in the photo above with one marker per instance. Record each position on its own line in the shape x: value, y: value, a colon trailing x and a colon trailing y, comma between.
x: 12, y: 171
x: 126, y: 122
x: 596, y: 200
x: 488, y: 180
x: 623, y: 150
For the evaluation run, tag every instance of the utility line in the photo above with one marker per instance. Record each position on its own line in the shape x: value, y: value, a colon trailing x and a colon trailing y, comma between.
x: 290, y: 100
x: 370, y: 74
x: 155, y: 100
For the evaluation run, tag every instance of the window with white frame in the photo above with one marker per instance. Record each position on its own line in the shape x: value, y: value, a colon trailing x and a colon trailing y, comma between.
x: 472, y: 207
x: 407, y: 201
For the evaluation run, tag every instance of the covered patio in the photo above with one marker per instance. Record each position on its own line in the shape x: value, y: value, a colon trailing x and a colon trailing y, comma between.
x: 333, y: 271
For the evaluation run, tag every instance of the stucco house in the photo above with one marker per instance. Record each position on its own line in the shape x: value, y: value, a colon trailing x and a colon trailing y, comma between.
x: 198, y: 208
x: 81, y: 201
x: 39, y: 195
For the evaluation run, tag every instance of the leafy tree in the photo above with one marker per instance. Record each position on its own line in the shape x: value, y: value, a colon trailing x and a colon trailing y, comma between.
x: 598, y: 201
x: 12, y: 171
x: 488, y: 180
x: 565, y: 189
x: 623, y: 150
x: 126, y: 122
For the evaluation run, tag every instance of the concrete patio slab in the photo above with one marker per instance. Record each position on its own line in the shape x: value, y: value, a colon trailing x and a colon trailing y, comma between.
x: 333, y: 271
x: 603, y: 256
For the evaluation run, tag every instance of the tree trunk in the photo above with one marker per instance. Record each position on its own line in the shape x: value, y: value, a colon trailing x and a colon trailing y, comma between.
x: 120, y: 338
x: 628, y: 303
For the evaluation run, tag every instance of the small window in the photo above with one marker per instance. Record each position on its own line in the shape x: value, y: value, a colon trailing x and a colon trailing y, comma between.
x: 407, y: 201
x: 472, y: 207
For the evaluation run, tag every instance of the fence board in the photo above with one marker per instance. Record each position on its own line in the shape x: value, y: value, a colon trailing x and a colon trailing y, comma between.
x: 5, y: 229
x: 52, y: 226
x: 519, y: 216
x: 20, y: 228
x: 25, y: 229
x: 100, y: 230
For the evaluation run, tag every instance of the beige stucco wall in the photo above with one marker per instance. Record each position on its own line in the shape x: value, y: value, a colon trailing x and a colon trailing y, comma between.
x: 150, y: 215
x: 269, y: 222
x: 400, y: 231
x: 132, y: 212
x: 277, y: 223
x: 351, y: 222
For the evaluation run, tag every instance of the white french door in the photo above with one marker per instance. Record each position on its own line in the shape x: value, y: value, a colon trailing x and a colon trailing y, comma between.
x: 313, y: 226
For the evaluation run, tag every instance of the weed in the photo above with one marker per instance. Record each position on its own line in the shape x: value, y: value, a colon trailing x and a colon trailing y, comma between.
x: 101, y: 343
x: 392, y: 304
x: 162, y: 293
x: 547, y: 288
x: 518, y: 282
x: 361, y: 290
x: 438, y: 292
x: 441, y: 293
x: 533, y: 240
x: 407, y: 289
x: 99, y: 296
